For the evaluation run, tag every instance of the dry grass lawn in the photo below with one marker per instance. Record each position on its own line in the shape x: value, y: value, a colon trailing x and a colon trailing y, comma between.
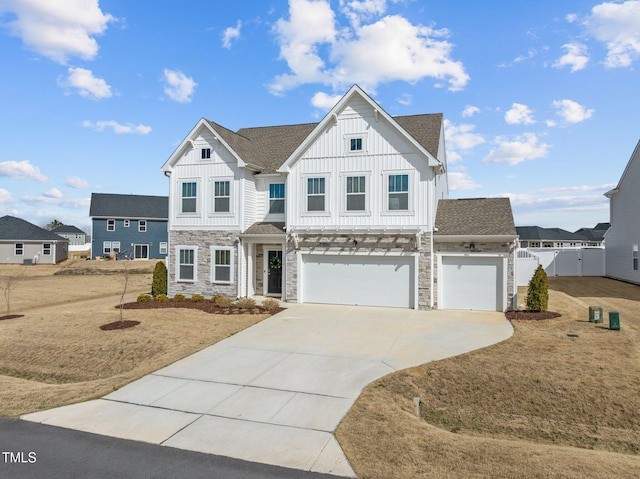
x: 56, y: 354
x: 543, y: 404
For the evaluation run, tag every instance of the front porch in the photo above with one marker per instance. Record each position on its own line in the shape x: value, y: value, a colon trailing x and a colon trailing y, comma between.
x: 262, y: 249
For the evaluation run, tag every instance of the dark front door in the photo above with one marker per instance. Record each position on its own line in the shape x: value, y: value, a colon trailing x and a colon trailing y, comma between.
x: 274, y: 270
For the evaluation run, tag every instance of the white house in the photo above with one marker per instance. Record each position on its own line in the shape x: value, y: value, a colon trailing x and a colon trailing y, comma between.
x: 623, y: 237
x: 341, y: 211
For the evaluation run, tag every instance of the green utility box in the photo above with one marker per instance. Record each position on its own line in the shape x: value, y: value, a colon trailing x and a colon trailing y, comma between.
x: 614, y: 320
x: 595, y: 314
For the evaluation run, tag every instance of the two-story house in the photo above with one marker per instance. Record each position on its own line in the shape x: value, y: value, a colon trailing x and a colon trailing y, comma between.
x: 341, y: 211
x: 129, y: 226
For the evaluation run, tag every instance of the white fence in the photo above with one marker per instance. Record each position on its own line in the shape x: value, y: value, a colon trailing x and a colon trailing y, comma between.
x: 559, y: 262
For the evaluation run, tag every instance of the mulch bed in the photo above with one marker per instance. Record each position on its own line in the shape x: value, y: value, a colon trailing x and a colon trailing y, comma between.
x: 11, y: 316
x: 206, y: 306
x: 531, y: 315
x: 119, y: 325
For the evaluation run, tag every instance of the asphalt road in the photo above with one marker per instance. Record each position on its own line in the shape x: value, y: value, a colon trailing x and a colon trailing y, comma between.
x: 34, y: 451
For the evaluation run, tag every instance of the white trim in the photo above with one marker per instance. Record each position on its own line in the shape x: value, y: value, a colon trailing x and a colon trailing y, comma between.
x: 140, y: 223
x: 197, y: 212
x: 410, y: 193
x: 141, y: 244
x: 367, y: 193
x: 212, y: 184
x: 327, y: 197
x: 163, y: 247
x: 231, y: 251
x: 354, y: 136
x: 178, y: 248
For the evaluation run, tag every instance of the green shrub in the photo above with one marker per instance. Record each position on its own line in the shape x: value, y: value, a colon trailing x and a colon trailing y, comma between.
x: 159, y: 283
x: 538, y: 293
x: 245, y: 303
x: 222, y: 301
x: 162, y: 298
x: 270, y: 304
x: 144, y: 298
x: 179, y: 298
x: 197, y: 298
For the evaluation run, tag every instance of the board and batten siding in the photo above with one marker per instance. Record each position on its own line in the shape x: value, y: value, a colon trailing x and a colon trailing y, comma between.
x: 385, y: 151
x: 262, y: 199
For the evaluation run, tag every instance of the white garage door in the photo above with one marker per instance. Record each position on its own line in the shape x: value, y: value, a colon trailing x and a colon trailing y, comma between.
x: 472, y: 283
x: 363, y: 280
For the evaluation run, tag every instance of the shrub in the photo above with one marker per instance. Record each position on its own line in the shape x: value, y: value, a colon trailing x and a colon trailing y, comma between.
x: 538, y: 293
x: 144, y: 298
x: 197, y: 298
x: 179, y: 298
x: 222, y: 301
x: 245, y: 303
x: 270, y: 304
x: 215, y: 298
x: 159, y: 283
x: 162, y: 298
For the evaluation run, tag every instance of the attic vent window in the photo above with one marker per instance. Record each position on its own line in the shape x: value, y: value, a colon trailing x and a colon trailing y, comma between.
x: 355, y: 144
x: 205, y: 153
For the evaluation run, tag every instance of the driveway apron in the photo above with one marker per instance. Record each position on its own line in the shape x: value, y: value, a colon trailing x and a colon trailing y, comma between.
x: 275, y: 393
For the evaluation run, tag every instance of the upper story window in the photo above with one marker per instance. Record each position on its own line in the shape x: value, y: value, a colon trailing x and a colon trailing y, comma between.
x: 398, y: 192
x: 356, y: 193
x: 205, y: 153
x: 356, y: 143
x: 316, y: 194
x: 19, y: 249
x: 111, y: 225
x: 46, y: 249
x: 221, y: 196
x: 634, y: 257
x: 126, y: 223
x: 189, y: 197
x: 142, y: 226
x: 276, y: 198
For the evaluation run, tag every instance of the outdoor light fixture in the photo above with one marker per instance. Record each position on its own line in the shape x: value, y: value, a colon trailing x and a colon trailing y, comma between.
x: 472, y: 246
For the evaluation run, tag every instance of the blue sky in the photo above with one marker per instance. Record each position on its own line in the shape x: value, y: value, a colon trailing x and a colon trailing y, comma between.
x: 540, y: 98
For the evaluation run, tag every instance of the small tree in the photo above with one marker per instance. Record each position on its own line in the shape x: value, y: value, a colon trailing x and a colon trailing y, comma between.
x: 8, y: 283
x: 538, y: 293
x: 159, y: 283
x: 124, y: 289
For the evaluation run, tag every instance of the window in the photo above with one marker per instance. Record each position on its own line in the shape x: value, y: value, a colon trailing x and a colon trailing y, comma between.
x: 186, y: 264
x: 163, y: 247
x: 205, y: 153
x: 19, y: 249
x: 142, y: 226
x: 356, y: 193
x: 276, y: 198
x: 109, y: 246
x: 634, y: 257
x: 189, y: 196
x: 222, y: 265
x: 355, y: 144
x: 221, y: 196
x: 46, y: 249
x: 111, y: 225
x: 398, y: 193
x: 126, y: 223
x: 315, y: 194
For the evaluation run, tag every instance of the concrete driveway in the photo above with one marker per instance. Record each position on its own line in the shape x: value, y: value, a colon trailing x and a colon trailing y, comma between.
x: 274, y: 393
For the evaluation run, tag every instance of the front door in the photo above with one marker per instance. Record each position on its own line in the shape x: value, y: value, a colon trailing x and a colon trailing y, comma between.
x: 274, y: 272
x: 141, y: 251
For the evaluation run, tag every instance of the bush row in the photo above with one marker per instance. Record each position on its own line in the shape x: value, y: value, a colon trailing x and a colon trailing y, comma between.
x: 220, y: 301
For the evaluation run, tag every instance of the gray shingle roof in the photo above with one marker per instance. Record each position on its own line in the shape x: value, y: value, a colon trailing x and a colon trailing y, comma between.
x: 16, y: 229
x: 67, y: 229
x: 105, y: 205
x: 265, y: 228
x: 475, y: 217
x: 270, y: 146
x: 536, y: 233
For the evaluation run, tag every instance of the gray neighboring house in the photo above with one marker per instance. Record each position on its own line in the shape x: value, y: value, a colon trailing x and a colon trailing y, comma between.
x: 75, y: 235
x: 537, y: 237
x: 22, y: 242
x: 595, y: 235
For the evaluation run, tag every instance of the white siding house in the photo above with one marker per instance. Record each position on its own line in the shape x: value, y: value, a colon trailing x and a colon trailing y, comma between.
x: 623, y: 237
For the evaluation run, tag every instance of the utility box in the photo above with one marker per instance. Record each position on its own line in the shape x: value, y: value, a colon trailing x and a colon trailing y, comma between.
x: 614, y: 320
x: 595, y: 314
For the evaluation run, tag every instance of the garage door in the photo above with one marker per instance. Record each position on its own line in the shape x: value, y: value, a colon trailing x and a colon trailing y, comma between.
x: 472, y: 283
x: 363, y: 280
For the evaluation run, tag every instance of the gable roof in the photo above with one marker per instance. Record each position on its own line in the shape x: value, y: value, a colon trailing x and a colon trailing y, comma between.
x: 634, y: 155
x: 105, y: 205
x: 17, y: 229
x: 67, y: 229
x: 475, y: 217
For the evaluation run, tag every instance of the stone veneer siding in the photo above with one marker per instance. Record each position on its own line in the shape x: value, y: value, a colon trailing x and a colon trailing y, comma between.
x: 340, y: 243
x: 480, y: 247
x: 203, y: 240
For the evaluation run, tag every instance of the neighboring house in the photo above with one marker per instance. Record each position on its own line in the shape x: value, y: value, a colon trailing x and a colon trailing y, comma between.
x: 537, y: 237
x: 22, y: 242
x: 341, y: 211
x: 595, y: 235
x: 76, y: 236
x: 131, y: 226
x: 623, y: 237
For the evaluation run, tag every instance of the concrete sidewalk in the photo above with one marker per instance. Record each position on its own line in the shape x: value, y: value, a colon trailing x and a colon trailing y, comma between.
x: 274, y: 393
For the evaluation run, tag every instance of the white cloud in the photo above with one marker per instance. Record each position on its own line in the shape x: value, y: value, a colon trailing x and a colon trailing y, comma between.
x: 318, y: 49
x: 87, y: 85
x: 460, y: 180
x: 5, y: 197
x: 536, y: 201
x: 179, y: 87
x: 230, y: 34
x: 405, y: 99
x: 469, y: 111
x: 53, y: 193
x: 323, y: 101
x: 519, y: 114
x: 522, y: 148
x: 571, y: 111
x: 582, y: 188
x: 576, y: 57
x: 461, y: 137
x: 522, y: 58
x: 58, y: 29
x: 117, y: 127
x: 22, y: 169
x: 617, y: 25
x: 76, y: 182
